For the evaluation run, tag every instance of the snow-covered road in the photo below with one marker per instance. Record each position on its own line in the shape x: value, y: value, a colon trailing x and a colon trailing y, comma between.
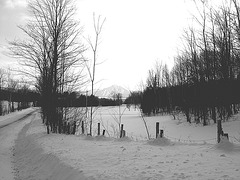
x: 21, y: 158
x: 15, y: 116
x: 10, y: 126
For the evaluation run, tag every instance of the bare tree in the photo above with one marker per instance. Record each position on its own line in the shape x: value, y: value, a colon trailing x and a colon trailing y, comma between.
x: 50, y: 52
x: 2, y: 81
x: 98, y: 26
x: 11, y: 86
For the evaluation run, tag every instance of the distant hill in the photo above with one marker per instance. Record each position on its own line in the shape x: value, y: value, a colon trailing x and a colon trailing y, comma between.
x: 109, y: 91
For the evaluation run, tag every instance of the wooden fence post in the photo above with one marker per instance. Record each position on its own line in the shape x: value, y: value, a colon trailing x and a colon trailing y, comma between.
x: 121, y: 131
x: 161, y: 133
x: 103, y: 132
x: 157, y: 129
x: 219, y: 130
x: 68, y: 128
x: 74, y: 127
x: 98, y: 129
x: 124, y: 133
x: 82, y: 127
x: 65, y: 127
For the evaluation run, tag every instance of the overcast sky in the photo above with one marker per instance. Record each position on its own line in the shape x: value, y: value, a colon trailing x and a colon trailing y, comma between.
x: 136, y: 34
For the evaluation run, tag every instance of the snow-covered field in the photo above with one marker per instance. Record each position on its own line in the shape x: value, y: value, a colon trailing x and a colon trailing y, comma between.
x: 187, y: 151
x: 175, y: 130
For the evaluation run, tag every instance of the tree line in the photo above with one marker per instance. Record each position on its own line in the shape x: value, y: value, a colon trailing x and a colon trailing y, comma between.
x: 74, y: 100
x: 17, y: 94
x: 204, y: 82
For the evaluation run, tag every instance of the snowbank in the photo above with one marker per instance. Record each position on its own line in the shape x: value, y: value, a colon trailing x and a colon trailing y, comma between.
x: 96, y: 138
x: 30, y: 161
x: 57, y: 156
x: 227, y: 146
x: 60, y: 157
x: 160, y: 142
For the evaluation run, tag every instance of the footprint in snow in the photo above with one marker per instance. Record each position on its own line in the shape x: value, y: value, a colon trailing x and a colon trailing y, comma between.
x: 123, y: 148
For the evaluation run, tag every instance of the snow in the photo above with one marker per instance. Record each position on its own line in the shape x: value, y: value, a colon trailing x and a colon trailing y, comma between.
x: 107, y: 158
x: 184, y: 153
x: 12, y: 117
x: 31, y: 163
x: 176, y: 130
x: 8, y: 135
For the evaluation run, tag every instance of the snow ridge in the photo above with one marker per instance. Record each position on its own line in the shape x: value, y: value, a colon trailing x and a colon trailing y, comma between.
x: 30, y: 161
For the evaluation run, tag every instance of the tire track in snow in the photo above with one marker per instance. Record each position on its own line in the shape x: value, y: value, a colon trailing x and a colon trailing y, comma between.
x: 8, y: 135
x: 30, y: 162
x: 12, y: 120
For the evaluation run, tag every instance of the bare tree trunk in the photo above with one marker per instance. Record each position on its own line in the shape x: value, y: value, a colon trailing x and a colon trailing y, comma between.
x: 92, y: 70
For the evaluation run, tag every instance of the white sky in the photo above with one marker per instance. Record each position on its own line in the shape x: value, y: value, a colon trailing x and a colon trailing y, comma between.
x: 136, y: 34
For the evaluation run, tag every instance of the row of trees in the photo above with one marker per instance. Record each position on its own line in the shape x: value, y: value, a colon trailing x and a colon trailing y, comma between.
x: 72, y: 100
x: 204, y: 82
x: 16, y: 93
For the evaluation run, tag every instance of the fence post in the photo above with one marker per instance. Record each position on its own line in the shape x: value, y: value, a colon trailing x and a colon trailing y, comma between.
x: 74, y: 127
x: 161, y: 133
x: 121, y: 131
x: 219, y: 130
x: 82, y: 127
x: 68, y: 128
x: 157, y: 129
x: 65, y: 127
x: 98, y: 129
x: 124, y: 133
x: 103, y: 132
